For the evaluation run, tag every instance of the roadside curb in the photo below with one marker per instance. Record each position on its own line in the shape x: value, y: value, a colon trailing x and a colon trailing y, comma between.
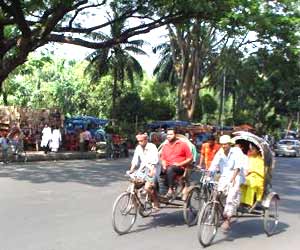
x: 51, y: 156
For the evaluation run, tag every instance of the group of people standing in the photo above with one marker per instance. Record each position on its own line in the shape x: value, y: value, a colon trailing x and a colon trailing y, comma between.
x: 241, y: 168
x: 51, y: 139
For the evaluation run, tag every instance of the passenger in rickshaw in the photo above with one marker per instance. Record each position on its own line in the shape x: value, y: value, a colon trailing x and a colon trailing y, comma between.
x: 175, y: 157
x: 146, y: 159
x: 207, y: 153
x: 253, y: 188
x: 229, y: 162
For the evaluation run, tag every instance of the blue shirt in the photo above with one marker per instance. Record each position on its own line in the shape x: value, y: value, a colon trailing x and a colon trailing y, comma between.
x: 4, y: 143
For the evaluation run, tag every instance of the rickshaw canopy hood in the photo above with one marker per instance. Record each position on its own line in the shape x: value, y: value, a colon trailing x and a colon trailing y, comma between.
x: 262, y: 145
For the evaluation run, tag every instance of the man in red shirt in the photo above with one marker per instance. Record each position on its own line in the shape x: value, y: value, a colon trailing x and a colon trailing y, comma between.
x: 208, y: 151
x: 175, y: 157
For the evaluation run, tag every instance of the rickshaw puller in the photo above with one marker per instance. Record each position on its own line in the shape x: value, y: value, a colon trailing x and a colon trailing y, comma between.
x: 146, y: 158
x: 229, y: 161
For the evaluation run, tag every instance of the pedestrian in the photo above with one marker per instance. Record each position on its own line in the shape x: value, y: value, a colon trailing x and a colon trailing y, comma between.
x: 81, y: 140
x: 55, y: 139
x: 4, y: 146
x: 87, y: 137
x: 46, y: 138
x: 16, y: 136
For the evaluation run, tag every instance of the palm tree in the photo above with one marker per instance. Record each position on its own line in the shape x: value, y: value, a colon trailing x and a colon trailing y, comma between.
x: 167, y: 70
x: 117, y: 60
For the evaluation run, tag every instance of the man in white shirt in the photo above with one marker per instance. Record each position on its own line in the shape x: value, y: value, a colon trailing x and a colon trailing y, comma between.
x: 146, y: 159
x: 229, y: 161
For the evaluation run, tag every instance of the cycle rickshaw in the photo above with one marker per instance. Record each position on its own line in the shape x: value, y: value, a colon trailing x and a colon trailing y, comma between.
x: 211, y: 215
x: 135, y: 200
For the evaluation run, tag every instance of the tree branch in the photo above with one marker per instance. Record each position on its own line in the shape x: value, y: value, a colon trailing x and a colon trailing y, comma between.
x: 70, y: 29
x: 137, y: 30
x: 83, y: 8
x: 15, y: 10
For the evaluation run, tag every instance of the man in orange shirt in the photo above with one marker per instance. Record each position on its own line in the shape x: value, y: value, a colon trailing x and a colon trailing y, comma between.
x: 208, y: 151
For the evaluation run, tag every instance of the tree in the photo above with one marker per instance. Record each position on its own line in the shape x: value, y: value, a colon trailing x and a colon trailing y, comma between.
x: 197, y: 44
x: 209, y: 107
x: 117, y: 61
x: 28, y: 25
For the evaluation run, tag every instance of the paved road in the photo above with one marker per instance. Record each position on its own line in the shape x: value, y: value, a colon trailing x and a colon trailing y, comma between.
x: 67, y: 205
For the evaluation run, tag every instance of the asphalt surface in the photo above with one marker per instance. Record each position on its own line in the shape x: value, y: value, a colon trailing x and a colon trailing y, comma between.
x: 66, y: 205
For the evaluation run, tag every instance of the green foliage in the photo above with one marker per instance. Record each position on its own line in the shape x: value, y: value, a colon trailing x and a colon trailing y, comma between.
x: 262, y: 88
x: 158, y: 110
x: 130, y: 108
x: 159, y: 100
x: 116, y: 61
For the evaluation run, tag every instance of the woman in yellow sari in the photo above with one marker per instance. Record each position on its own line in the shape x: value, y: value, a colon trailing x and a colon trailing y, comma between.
x: 253, y: 188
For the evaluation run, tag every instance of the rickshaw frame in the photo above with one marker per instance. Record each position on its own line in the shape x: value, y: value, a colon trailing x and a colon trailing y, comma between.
x: 269, y: 201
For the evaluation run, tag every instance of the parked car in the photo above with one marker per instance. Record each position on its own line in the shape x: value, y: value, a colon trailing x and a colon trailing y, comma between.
x: 287, y: 147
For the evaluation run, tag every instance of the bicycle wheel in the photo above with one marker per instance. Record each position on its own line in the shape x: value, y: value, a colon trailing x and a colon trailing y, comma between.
x: 208, y: 224
x: 124, y: 213
x: 271, y: 217
x: 22, y: 156
x: 192, y: 206
x: 108, y: 153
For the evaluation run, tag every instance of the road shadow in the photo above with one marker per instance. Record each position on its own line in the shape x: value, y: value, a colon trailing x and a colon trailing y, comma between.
x: 90, y: 172
x: 160, y: 220
x: 249, y: 228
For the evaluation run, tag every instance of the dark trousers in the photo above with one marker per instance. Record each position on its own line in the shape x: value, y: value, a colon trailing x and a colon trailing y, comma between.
x: 86, y: 145
x: 171, y: 172
x: 5, y: 155
x: 46, y: 149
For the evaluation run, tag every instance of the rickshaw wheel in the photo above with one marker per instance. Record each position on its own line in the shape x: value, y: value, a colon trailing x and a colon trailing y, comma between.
x: 192, y: 206
x: 207, y: 224
x: 124, y: 213
x: 271, y: 217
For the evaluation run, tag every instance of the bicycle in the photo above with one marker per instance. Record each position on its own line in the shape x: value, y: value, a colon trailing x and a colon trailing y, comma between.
x: 16, y: 151
x: 135, y: 199
x: 197, y: 196
x: 211, y: 217
x: 112, y: 151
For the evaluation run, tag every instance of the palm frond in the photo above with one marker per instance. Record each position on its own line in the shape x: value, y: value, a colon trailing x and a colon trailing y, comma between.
x: 99, y: 36
x: 135, y: 66
x: 162, y: 61
x: 136, y: 50
x: 161, y: 47
x: 138, y: 43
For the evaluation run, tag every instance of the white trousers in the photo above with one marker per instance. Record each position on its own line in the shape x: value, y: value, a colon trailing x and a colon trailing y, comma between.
x: 233, y: 194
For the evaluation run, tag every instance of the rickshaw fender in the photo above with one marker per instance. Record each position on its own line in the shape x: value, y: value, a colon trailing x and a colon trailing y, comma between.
x: 266, y: 202
x: 187, y: 190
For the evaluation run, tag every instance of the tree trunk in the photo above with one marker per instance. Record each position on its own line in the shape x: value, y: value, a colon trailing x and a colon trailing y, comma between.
x: 5, y: 98
x: 190, y: 76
